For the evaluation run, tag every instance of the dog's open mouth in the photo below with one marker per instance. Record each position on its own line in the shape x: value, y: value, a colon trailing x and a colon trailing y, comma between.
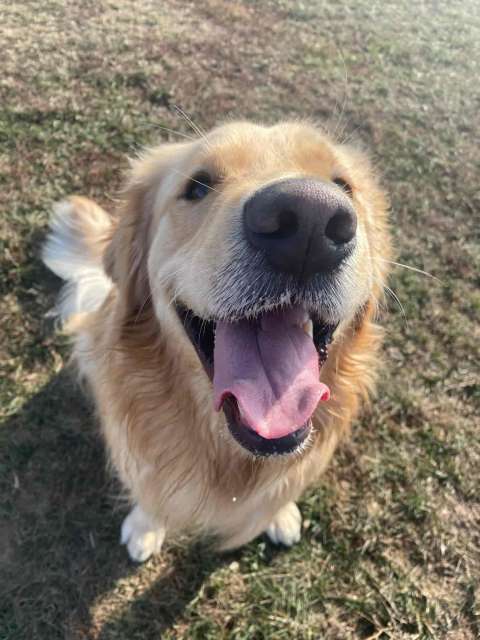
x: 265, y: 374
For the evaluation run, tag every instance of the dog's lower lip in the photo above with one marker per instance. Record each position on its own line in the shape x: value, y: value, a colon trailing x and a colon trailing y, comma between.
x: 254, y: 443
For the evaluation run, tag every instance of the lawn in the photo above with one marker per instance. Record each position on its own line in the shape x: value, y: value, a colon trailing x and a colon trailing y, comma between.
x: 391, y: 546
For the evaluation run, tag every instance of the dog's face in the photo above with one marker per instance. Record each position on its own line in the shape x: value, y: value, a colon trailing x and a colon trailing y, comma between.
x: 261, y: 241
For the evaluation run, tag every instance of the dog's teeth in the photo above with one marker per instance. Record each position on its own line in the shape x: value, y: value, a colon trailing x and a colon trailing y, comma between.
x: 308, y: 328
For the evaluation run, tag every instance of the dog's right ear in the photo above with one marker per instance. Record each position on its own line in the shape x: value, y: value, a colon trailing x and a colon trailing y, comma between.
x: 125, y: 256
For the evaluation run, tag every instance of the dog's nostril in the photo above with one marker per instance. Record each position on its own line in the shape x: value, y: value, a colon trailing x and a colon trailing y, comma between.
x: 287, y: 224
x: 341, y: 227
x: 274, y: 224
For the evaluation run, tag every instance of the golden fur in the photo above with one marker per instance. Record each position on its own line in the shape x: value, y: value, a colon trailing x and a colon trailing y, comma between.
x: 172, y: 452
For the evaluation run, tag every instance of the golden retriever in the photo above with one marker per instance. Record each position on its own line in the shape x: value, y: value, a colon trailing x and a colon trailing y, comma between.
x: 225, y: 322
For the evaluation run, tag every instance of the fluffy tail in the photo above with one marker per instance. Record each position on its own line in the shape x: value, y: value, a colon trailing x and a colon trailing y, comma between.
x: 79, y: 232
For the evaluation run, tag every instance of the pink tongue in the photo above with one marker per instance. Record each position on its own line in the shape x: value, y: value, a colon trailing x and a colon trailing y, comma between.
x: 271, y: 369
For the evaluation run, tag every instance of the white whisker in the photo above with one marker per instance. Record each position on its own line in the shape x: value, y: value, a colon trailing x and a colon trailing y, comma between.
x: 337, y: 129
x: 185, y: 175
x: 192, y: 124
x: 416, y: 269
x: 397, y: 300
x: 168, y: 130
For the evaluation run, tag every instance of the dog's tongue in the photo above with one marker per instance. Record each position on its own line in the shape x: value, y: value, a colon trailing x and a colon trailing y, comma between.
x: 271, y: 369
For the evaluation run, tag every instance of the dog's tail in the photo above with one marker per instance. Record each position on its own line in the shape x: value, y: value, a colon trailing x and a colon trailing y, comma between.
x: 79, y: 232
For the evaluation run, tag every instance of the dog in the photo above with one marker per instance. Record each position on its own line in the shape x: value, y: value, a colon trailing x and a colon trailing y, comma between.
x: 225, y: 323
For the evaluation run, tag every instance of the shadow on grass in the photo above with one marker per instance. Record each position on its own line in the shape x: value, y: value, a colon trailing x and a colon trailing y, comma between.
x: 59, y: 530
x: 165, y: 602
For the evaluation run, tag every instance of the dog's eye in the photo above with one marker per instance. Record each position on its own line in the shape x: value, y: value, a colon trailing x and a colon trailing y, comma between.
x: 343, y: 184
x: 198, y: 186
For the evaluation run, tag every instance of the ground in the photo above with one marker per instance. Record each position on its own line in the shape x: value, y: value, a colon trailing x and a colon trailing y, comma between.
x: 391, y: 544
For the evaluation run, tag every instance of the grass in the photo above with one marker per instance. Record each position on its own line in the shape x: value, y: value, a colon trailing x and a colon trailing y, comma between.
x: 391, y: 546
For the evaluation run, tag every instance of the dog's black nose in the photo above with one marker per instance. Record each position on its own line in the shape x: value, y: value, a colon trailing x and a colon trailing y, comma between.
x: 302, y: 226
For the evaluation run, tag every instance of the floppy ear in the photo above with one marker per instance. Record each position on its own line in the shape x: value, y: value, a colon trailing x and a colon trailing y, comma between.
x: 125, y: 257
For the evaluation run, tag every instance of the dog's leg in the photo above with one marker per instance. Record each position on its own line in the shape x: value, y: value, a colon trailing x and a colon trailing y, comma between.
x: 141, y: 535
x: 286, y: 526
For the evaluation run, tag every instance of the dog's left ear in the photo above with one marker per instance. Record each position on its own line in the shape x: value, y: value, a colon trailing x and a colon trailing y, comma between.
x: 125, y: 256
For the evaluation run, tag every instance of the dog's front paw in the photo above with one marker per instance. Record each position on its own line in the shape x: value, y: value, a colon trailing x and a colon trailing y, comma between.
x: 286, y: 527
x: 141, y: 537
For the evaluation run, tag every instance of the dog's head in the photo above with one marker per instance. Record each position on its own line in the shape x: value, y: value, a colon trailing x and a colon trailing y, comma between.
x: 262, y: 242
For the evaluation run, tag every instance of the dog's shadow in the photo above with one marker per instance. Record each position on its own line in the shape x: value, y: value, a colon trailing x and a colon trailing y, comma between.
x: 63, y: 573
x: 60, y: 556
